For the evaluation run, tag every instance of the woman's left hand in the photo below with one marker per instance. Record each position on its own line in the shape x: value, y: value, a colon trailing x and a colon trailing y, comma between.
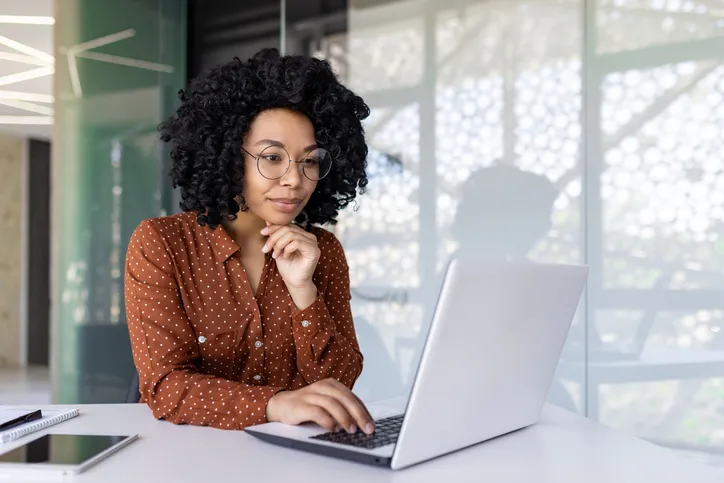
x: 296, y: 253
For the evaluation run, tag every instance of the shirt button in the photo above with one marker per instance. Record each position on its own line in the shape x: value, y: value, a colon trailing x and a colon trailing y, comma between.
x: 258, y: 344
x: 257, y: 377
x: 202, y: 339
x: 305, y: 323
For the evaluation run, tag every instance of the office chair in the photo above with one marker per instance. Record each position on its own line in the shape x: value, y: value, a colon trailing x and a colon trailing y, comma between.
x: 105, y: 362
x: 133, y: 396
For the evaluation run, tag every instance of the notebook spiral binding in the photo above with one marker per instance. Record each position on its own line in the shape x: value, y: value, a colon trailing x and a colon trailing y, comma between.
x: 35, y: 426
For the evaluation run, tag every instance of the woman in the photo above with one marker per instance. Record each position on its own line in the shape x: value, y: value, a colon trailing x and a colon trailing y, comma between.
x: 238, y: 309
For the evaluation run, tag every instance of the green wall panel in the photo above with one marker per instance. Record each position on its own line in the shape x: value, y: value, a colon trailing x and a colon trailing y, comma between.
x: 118, y: 69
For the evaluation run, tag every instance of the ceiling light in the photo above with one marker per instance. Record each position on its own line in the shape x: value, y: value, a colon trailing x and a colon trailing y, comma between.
x: 74, y: 50
x: 101, y: 41
x: 25, y: 49
x: 39, y: 120
x: 115, y: 59
x: 27, y: 96
x: 28, y: 20
x: 26, y: 75
x: 74, y: 76
x: 27, y: 106
x: 23, y: 59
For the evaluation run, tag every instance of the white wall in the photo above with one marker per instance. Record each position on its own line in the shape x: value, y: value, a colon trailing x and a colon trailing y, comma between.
x: 11, y: 253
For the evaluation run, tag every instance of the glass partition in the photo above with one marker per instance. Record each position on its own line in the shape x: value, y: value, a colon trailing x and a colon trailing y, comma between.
x: 564, y: 131
x: 475, y: 144
x: 118, y: 72
x: 655, y: 88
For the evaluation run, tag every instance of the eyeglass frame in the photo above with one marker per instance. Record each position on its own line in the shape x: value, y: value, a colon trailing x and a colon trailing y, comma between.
x: 289, y: 165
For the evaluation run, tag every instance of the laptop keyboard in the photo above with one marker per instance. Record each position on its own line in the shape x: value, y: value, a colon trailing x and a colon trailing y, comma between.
x: 386, y: 432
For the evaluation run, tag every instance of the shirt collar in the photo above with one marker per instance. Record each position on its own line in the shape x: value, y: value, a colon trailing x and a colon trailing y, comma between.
x: 222, y: 244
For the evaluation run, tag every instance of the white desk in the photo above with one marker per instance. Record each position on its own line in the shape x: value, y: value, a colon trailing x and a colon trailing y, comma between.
x: 562, y: 448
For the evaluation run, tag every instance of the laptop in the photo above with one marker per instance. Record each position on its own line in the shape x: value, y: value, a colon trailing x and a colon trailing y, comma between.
x: 497, y: 333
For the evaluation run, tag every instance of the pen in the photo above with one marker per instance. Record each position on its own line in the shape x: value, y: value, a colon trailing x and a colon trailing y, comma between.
x: 34, y: 416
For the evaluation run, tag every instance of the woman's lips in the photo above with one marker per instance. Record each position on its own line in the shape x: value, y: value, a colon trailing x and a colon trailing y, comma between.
x: 286, y: 205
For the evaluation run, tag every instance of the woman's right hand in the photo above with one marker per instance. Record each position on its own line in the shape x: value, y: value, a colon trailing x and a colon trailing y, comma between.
x: 329, y: 403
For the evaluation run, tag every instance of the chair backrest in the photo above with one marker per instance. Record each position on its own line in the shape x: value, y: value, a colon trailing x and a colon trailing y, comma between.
x: 133, y: 395
x: 105, y: 362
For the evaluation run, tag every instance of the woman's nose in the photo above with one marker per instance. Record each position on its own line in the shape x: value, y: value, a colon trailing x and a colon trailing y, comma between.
x: 293, y: 176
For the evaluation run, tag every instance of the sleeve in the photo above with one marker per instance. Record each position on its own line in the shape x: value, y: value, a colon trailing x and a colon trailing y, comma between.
x: 165, y: 349
x: 324, y: 333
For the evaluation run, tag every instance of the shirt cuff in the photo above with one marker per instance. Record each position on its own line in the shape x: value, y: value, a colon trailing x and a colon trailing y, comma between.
x: 311, y: 320
x: 253, y: 403
x: 313, y: 328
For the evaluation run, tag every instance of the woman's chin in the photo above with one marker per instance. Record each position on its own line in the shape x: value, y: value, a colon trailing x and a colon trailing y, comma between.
x: 277, y: 218
x: 274, y: 214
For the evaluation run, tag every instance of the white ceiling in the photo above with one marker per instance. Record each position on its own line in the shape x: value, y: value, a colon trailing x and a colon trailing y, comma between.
x: 39, y: 38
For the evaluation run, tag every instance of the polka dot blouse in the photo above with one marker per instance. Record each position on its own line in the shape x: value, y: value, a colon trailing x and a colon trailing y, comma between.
x: 207, y: 350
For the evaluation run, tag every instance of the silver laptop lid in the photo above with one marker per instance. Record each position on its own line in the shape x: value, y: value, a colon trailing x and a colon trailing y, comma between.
x: 490, y: 356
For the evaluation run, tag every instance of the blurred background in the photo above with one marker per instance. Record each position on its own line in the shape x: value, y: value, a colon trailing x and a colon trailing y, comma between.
x: 585, y: 131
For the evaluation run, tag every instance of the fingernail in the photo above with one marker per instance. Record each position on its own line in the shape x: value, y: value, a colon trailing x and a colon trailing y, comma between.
x: 264, y: 231
x: 353, y: 429
x: 274, y: 255
x: 265, y: 248
x: 369, y: 428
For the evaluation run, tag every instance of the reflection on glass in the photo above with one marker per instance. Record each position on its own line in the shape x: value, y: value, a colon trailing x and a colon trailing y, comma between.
x: 471, y: 114
x: 632, y: 25
x: 484, y: 102
x: 656, y: 353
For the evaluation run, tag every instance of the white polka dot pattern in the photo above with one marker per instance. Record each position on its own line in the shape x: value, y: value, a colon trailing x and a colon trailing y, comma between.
x: 208, y: 352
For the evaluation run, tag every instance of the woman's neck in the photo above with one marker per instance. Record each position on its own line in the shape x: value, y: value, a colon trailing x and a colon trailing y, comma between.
x: 245, y: 230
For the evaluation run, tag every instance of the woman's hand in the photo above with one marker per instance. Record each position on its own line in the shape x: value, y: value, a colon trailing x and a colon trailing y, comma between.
x: 329, y: 403
x: 296, y: 254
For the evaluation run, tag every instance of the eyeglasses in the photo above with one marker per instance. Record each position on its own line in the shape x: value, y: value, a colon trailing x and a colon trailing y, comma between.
x: 274, y: 162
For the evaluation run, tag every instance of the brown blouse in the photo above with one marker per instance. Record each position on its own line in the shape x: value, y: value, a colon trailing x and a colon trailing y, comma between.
x: 207, y: 351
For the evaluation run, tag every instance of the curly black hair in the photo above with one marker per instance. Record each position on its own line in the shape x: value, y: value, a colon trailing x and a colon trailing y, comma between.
x: 217, y: 110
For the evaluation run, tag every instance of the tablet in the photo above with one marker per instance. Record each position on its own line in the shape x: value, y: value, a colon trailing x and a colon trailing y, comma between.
x: 63, y: 454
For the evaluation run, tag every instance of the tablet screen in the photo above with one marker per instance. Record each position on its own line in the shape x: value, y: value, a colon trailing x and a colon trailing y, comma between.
x: 61, y: 449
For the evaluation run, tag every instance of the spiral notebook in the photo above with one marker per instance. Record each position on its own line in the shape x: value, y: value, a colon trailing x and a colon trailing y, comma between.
x: 50, y: 417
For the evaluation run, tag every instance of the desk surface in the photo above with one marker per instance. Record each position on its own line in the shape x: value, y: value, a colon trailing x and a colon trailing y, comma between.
x: 563, y: 447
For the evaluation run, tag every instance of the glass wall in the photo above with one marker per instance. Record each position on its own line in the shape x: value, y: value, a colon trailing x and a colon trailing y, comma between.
x: 118, y: 72
x: 564, y: 131
x: 655, y: 199
x: 475, y: 145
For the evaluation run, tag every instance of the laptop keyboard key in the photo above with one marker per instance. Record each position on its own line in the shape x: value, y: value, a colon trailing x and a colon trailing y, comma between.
x: 386, y: 432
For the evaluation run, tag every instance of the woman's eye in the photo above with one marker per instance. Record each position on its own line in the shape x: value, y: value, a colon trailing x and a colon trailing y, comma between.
x: 311, y: 161
x: 273, y: 158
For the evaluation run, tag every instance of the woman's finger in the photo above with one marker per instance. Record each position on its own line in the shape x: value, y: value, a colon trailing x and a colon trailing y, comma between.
x: 352, y: 404
x: 281, y: 243
x: 335, y: 409
x: 271, y: 229
x: 317, y: 414
x: 282, y: 231
x: 344, y: 388
x: 274, y: 238
x: 305, y: 247
x: 289, y: 250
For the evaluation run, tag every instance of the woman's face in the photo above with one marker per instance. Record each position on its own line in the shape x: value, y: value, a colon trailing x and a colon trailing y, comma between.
x: 278, y: 201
